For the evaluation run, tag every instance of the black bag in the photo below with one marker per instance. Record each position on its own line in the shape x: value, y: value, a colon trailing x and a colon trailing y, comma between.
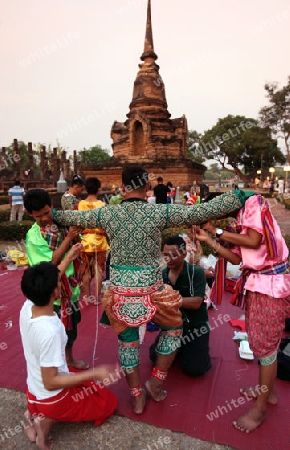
x: 283, y: 360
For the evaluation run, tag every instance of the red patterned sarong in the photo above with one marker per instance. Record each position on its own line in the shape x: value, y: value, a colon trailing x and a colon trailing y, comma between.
x: 132, y: 308
x: 265, y: 322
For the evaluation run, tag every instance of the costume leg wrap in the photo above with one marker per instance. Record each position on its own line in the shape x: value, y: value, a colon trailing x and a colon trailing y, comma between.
x: 159, y: 374
x: 169, y: 342
x: 136, y: 391
x: 268, y: 360
x: 128, y: 354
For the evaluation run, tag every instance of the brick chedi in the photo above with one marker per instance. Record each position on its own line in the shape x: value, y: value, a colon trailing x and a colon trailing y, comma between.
x: 149, y: 136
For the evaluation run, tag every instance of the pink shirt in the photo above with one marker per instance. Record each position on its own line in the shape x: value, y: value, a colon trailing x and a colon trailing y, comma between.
x: 277, y: 286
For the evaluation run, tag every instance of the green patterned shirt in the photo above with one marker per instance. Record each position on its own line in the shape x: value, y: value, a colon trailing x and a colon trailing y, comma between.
x: 135, y: 227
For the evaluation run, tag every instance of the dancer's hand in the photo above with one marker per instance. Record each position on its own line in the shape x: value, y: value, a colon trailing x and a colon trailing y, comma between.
x: 75, y: 251
x: 203, y: 236
x: 74, y: 232
x: 209, y: 226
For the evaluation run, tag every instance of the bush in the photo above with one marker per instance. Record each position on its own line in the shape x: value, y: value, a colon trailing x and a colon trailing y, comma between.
x: 14, y: 231
x: 174, y: 231
x: 287, y: 203
x: 4, y: 200
x: 5, y: 215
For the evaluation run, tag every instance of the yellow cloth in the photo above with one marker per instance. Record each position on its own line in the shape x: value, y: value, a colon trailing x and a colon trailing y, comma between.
x: 18, y: 257
x: 93, y: 239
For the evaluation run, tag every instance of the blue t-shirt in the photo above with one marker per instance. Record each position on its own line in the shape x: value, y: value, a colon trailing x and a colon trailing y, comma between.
x: 16, y: 192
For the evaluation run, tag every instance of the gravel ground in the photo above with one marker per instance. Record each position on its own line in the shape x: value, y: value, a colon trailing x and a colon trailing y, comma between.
x: 119, y: 432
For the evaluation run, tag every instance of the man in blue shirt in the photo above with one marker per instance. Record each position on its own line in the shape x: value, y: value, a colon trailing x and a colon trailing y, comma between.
x: 16, y: 201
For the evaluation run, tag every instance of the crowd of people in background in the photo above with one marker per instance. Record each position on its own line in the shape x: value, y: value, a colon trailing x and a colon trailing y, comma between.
x: 279, y: 185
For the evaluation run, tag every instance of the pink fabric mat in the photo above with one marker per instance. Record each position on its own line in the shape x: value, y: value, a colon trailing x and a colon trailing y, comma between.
x: 200, y: 407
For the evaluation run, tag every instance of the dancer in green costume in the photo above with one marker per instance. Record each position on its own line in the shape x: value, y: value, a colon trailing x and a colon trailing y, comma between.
x: 137, y: 294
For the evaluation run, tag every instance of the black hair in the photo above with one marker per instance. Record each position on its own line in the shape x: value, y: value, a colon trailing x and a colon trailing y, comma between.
x: 211, y: 196
x: 176, y: 240
x: 134, y: 176
x: 159, y: 179
x: 36, y: 199
x: 92, y: 185
x: 77, y: 180
x: 169, y: 184
x: 17, y: 182
x: 38, y: 282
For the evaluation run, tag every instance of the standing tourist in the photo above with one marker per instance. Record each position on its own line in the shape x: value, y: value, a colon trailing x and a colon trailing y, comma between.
x: 271, y: 188
x: 161, y: 191
x: 281, y: 186
x: 15, y: 195
x: 72, y: 196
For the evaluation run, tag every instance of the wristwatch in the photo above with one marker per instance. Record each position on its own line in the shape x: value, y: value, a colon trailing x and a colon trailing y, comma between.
x: 219, y: 232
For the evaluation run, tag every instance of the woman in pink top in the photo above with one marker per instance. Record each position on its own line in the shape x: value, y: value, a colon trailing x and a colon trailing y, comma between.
x: 257, y: 243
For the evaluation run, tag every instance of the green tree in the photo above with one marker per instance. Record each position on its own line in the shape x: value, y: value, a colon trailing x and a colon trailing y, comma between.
x: 213, y: 172
x: 23, y: 154
x: 96, y: 155
x: 193, y: 152
x: 239, y: 145
x: 276, y: 116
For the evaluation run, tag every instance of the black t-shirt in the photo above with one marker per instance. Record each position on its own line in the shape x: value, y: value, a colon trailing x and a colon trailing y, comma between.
x: 197, y: 317
x: 160, y: 192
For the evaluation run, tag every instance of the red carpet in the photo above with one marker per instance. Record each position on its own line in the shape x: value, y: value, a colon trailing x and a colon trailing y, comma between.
x: 203, y: 408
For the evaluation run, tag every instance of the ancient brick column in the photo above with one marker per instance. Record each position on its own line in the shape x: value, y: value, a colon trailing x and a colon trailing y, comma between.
x: 75, y: 162
x: 65, y: 166
x: 30, y: 161
x: 55, y: 165
x: 16, y: 160
x: 3, y: 167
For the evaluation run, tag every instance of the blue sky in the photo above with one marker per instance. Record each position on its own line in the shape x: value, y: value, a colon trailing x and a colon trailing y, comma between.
x: 68, y: 66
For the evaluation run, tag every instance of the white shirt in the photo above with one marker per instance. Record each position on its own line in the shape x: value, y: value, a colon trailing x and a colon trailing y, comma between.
x: 151, y: 199
x: 44, y: 340
x: 281, y: 186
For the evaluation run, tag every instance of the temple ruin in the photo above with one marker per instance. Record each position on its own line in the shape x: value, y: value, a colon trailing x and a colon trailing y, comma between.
x: 149, y: 136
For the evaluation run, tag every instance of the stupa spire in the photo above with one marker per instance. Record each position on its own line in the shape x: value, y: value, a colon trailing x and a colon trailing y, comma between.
x: 149, y: 92
x: 148, y: 45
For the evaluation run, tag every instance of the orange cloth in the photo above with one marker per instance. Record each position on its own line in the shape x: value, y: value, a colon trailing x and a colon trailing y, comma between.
x: 93, y: 239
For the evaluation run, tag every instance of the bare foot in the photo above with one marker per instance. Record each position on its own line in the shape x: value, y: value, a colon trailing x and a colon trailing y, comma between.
x: 139, y: 403
x: 43, y: 438
x: 254, y: 392
x: 250, y: 421
x: 29, y: 429
x: 78, y: 364
x: 156, y: 392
